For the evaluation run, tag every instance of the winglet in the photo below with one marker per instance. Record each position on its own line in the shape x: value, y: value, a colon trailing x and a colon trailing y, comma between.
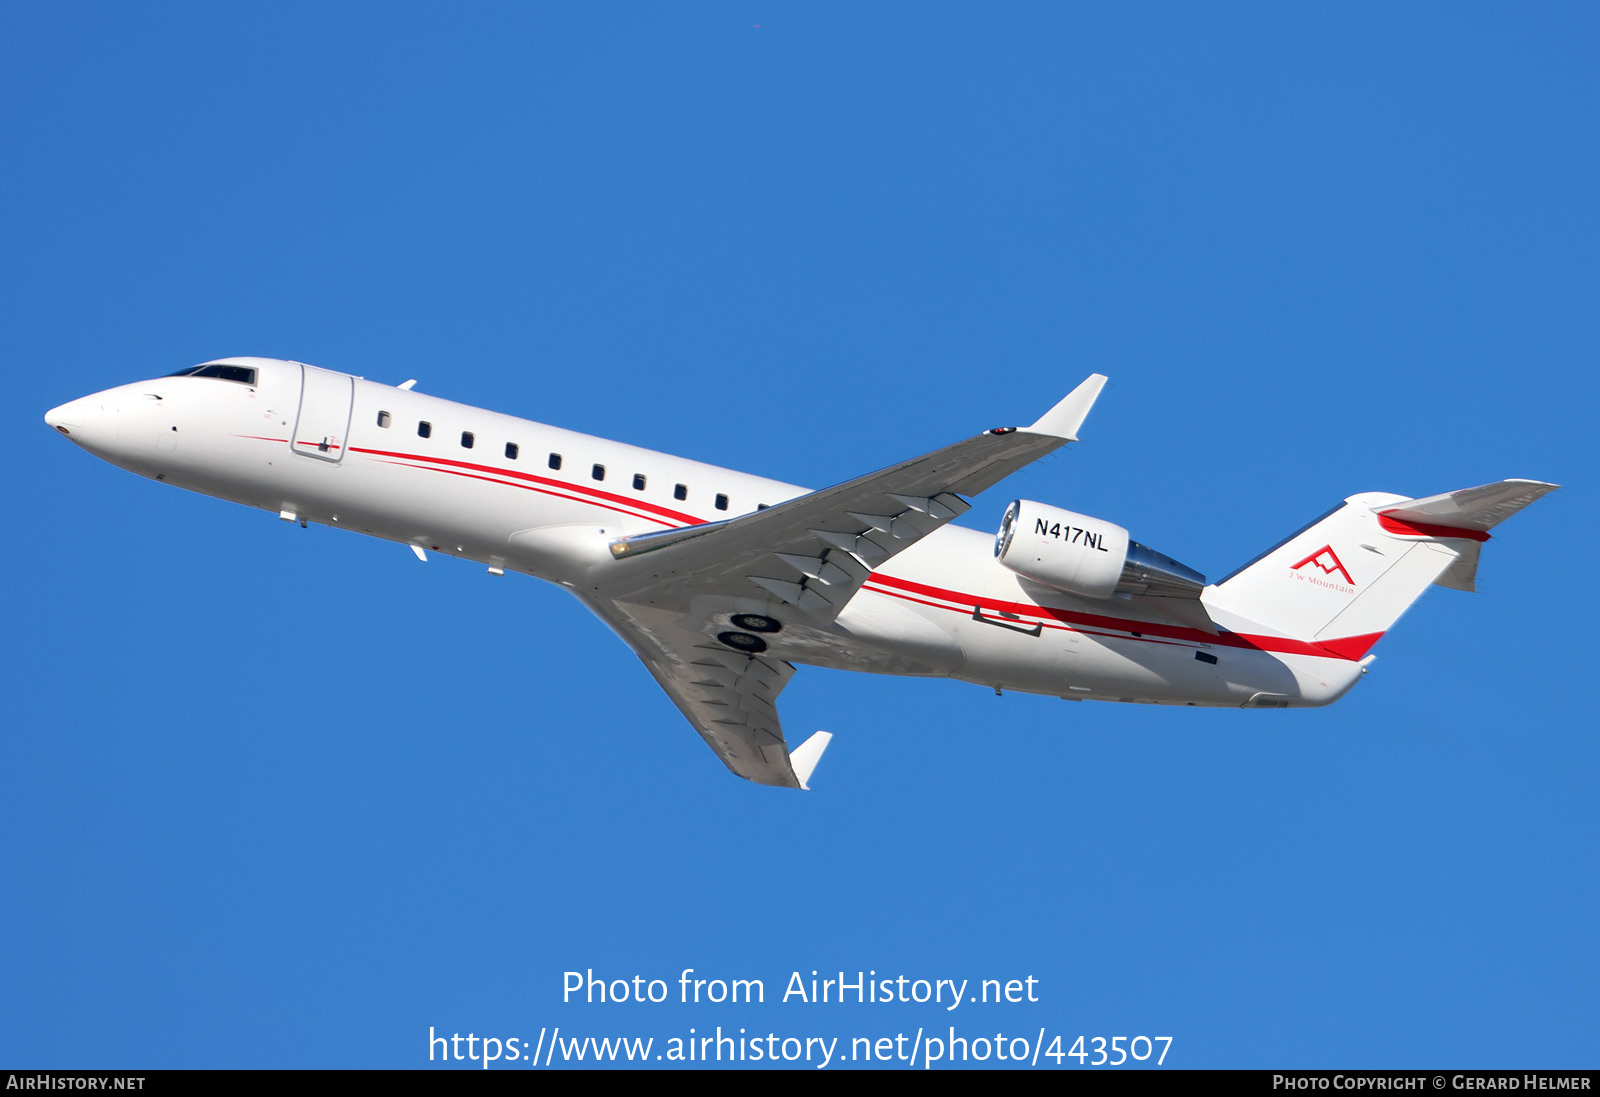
x: 1063, y: 420
x: 804, y: 758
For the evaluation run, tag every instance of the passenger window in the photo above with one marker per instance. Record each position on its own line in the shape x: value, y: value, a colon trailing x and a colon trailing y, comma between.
x: 638, y: 481
x: 555, y: 460
x: 598, y: 472
x: 467, y: 439
x: 383, y: 419
x: 511, y: 451
x: 680, y: 492
x: 424, y: 429
x: 722, y: 502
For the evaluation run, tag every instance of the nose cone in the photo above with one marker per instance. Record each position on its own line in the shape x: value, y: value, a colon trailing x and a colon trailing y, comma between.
x: 66, y: 417
x: 92, y: 422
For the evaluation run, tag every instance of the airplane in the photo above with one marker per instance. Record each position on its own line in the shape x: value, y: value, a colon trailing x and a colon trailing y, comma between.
x: 721, y: 582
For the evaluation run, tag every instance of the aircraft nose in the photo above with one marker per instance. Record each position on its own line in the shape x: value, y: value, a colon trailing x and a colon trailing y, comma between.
x: 68, y: 415
x: 91, y: 421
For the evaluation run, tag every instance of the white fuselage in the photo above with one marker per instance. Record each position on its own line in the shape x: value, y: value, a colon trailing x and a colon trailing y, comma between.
x: 521, y: 496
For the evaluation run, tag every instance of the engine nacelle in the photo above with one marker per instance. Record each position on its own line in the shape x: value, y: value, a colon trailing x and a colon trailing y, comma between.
x: 1062, y: 549
x: 1087, y: 556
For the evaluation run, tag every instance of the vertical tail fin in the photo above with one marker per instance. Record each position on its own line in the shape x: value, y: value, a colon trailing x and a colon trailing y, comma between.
x: 1342, y: 581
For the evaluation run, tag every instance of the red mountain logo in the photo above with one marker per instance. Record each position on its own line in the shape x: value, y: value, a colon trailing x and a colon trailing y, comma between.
x: 1328, y: 560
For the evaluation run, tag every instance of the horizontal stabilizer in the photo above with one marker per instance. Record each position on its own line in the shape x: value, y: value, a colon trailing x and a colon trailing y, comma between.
x: 1063, y: 420
x: 804, y: 758
x: 1476, y: 509
x: 1464, y: 517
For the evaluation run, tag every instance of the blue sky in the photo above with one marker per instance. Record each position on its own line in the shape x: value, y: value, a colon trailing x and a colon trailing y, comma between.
x: 1317, y: 252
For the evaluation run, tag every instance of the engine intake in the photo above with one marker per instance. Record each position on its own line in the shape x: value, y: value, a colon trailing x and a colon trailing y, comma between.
x: 1087, y: 556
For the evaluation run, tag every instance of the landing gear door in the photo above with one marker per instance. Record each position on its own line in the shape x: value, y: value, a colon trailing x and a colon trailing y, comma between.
x: 324, y: 416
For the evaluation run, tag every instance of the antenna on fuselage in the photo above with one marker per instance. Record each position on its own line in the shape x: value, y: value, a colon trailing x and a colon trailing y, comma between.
x: 406, y: 384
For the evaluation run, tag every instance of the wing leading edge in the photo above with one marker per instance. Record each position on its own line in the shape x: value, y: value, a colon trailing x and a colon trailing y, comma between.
x: 815, y: 551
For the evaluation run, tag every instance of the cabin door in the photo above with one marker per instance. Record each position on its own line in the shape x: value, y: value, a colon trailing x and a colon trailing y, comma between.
x: 324, y: 417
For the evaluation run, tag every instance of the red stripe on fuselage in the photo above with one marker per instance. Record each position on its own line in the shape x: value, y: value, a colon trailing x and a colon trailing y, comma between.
x: 1052, y: 625
x: 1353, y: 648
x: 523, y: 487
x: 581, y: 489
x: 1124, y: 625
x: 639, y: 504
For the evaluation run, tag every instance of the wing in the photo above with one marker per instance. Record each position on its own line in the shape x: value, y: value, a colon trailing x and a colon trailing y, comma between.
x: 730, y: 698
x: 813, y: 553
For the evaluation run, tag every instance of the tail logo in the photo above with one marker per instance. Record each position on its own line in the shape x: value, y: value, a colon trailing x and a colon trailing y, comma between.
x: 1328, y: 560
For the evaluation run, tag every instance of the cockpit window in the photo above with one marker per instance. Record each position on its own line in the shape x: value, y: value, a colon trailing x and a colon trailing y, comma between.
x: 242, y: 374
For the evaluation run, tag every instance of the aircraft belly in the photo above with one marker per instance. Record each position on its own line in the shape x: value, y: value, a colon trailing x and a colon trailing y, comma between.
x: 835, y: 651
x: 1111, y: 668
x: 901, y: 637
